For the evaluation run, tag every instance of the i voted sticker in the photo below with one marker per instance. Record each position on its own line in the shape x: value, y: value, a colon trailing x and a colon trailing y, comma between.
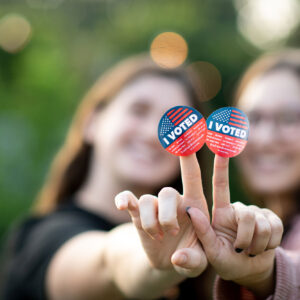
x: 182, y: 130
x: 227, y: 131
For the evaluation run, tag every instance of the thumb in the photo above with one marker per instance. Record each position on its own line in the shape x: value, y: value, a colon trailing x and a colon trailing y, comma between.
x: 190, y: 262
x: 204, y: 231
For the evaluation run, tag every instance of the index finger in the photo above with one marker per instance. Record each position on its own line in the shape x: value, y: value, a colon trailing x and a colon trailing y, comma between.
x: 191, y: 176
x: 221, y: 194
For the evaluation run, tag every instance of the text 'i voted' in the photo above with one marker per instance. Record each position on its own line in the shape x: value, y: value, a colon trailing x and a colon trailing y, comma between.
x: 182, y: 130
x: 227, y: 131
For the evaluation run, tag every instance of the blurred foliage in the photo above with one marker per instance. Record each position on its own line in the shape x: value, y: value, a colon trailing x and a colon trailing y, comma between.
x: 72, y: 43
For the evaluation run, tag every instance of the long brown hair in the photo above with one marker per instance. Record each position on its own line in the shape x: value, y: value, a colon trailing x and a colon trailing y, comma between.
x: 71, y: 165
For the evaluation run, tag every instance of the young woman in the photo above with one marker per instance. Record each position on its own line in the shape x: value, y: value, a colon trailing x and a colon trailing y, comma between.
x: 69, y: 248
x: 269, y: 93
x: 75, y: 248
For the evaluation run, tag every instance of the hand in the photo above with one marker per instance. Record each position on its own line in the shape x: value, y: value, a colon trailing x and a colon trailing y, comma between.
x: 165, y: 230
x: 239, y: 241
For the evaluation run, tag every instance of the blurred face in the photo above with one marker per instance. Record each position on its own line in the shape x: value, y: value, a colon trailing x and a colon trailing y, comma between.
x: 125, y: 132
x: 271, y: 160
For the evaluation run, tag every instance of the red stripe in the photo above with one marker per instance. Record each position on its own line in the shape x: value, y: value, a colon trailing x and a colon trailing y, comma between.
x: 179, y: 115
x: 238, y: 125
x: 175, y: 113
x: 239, y: 121
x: 188, y: 113
x: 235, y: 116
x: 170, y: 112
x: 237, y: 112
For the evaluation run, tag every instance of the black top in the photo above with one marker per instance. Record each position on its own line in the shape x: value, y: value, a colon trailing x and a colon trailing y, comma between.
x: 33, y: 244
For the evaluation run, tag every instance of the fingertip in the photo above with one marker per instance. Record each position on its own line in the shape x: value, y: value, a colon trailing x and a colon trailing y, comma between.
x: 120, y: 202
x: 195, y: 214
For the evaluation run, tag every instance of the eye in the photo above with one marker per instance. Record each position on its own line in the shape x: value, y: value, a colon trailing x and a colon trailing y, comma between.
x: 254, y: 118
x: 139, y: 109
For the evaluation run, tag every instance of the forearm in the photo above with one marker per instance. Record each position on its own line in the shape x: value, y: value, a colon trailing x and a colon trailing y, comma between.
x: 130, y: 269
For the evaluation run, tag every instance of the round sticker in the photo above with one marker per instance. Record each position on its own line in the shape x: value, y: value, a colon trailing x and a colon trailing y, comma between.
x: 182, y: 130
x: 227, y: 131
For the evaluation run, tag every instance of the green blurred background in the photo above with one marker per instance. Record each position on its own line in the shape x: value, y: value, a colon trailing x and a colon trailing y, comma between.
x: 67, y: 44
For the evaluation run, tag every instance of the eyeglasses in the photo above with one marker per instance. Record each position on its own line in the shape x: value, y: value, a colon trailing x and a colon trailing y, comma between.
x: 286, y: 122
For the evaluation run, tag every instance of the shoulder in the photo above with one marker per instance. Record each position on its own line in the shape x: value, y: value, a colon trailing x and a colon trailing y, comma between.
x: 65, y: 222
x: 48, y: 233
x: 32, y: 244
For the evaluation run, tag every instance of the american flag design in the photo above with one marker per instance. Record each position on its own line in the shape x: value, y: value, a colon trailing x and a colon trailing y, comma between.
x: 172, y: 118
x: 232, y: 116
x: 178, y: 127
x: 227, y: 131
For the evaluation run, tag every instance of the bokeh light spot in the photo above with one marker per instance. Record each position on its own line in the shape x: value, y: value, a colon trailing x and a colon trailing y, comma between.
x: 267, y: 23
x: 15, y: 32
x: 210, y: 80
x: 169, y: 50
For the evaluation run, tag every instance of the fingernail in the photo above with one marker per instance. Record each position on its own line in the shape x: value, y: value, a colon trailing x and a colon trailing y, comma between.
x: 238, y: 250
x: 252, y: 255
x: 187, y: 211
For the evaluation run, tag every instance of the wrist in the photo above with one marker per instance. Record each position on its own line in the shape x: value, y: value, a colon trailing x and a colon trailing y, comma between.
x: 261, y: 284
x: 129, y: 268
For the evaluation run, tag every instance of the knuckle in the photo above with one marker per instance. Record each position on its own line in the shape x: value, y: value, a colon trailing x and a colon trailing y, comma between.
x: 167, y: 223
x: 149, y: 227
x: 193, y: 173
x: 277, y: 228
x: 238, y: 204
x: 247, y: 216
x: 264, y: 230
x: 242, y: 243
x: 244, y: 240
x: 277, y: 221
x: 267, y: 211
x: 221, y: 182
x: 274, y: 242
x: 254, y: 208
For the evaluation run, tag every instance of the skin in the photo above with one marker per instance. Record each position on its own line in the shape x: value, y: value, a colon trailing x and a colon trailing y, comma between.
x: 256, y: 231
x: 127, y: 154
x: 271, y: 161
x: 165, y: 249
